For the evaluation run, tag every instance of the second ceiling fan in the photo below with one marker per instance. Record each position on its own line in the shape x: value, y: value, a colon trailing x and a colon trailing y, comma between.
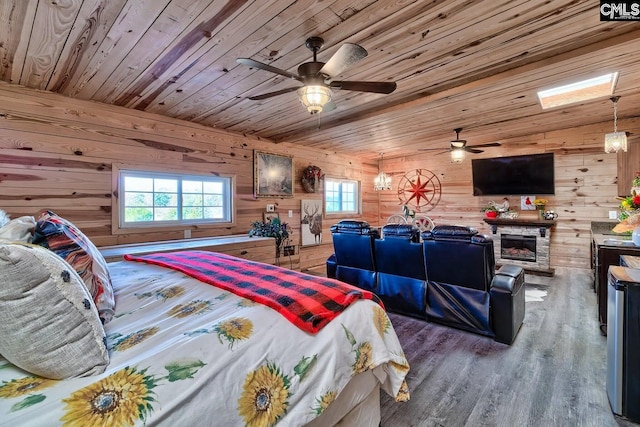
x: 459, y: 146
x: 317, y: 77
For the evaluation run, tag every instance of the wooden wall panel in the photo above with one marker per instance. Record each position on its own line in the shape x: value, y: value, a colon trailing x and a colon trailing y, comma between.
x: 58, y: 153
x: 586, y: 186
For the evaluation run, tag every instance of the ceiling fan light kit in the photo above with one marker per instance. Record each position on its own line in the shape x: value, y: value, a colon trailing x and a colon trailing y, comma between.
x: 314, y: 97
x: 457, y: 155
x: 317, y: 77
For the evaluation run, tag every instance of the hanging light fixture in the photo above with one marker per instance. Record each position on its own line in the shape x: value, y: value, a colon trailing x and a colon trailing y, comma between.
x: 457, y: 154
x: 314, y: 97
x: 616, y: 141
x: 382, y: 180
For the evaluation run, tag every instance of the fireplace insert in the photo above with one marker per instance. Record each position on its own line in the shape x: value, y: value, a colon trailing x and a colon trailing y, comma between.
x: 518, y: 247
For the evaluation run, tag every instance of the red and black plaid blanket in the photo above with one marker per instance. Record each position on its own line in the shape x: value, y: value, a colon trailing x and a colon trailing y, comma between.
x: 309, y: 302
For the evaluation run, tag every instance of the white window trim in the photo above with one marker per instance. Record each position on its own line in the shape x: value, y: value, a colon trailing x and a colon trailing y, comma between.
x: 117, y: 209
x: 344, y: 214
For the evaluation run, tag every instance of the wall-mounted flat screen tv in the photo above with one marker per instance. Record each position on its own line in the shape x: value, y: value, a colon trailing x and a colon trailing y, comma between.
x: 513, y: 175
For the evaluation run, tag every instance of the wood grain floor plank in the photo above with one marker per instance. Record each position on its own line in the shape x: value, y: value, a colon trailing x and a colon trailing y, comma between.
x: 553, y: 374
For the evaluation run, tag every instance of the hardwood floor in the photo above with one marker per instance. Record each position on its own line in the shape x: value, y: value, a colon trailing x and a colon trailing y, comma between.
x: 553, y: 374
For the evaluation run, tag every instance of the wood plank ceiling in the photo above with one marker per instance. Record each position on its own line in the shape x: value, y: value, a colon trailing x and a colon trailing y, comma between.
x: 457, y: 63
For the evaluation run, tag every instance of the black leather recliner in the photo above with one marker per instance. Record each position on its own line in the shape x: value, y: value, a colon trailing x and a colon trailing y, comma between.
x: 463, y: 289
x: 402, y: 282
x: 449, y: 278
x: 353, y: 261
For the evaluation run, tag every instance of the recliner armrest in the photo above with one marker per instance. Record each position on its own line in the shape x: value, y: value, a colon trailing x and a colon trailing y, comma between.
x: 505, y: 278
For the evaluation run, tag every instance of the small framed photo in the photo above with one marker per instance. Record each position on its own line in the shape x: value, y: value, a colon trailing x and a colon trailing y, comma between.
x: 273, y: 175
x: 526, y: 203
x: 269, y: 216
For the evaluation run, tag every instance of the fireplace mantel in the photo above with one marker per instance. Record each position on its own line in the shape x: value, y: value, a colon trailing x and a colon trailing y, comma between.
x: 542, y: 224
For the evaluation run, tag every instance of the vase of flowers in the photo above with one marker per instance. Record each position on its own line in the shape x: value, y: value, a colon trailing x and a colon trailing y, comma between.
x: 540, y: 205
x: 274, y: 228
x: 311, y: 178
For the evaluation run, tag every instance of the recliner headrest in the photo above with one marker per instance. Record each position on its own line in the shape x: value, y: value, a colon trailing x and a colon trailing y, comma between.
x: 354, y: 227
x: 401, y: 230
x: 450, y: 232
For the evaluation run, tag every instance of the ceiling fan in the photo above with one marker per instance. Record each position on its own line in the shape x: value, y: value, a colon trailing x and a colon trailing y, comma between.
x: 461, y: 145
x: 317, y: 77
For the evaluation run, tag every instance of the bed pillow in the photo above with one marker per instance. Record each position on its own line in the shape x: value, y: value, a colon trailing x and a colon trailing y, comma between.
x: 18, y: 230
x: 48, y: 322
x: 65, y: 239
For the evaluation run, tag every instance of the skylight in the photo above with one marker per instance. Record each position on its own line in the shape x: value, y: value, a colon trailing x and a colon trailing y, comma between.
x: 584, y: 90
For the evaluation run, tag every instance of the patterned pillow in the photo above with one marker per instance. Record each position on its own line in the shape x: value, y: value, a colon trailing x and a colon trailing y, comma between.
x: 48, y: 322
x: 65, y: 239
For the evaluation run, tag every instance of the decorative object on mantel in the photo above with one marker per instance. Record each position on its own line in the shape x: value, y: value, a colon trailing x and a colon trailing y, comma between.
x: 490, y: 210
x: 616, y: 141
x: 311, y: 178
x: 382, y: 181
x: 274, y: 228
x: 540, y: 205
x: 549, y: 215
x: 526, y: 203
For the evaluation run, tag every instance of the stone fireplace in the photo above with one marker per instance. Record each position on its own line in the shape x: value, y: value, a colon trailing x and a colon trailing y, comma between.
x: 522, y: 242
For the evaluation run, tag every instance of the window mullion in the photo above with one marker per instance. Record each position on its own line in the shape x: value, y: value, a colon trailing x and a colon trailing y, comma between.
x: 180, y: 197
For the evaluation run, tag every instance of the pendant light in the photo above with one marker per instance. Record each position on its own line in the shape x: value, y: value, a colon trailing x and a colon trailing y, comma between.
x: 382, y: 180
x: 616, y: 141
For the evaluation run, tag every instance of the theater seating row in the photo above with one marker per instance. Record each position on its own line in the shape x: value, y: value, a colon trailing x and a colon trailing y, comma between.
x: 446, y: 275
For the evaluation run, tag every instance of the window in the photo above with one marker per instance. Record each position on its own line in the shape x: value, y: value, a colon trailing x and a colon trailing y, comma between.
x: 341, y: 196
x: 161, y: 199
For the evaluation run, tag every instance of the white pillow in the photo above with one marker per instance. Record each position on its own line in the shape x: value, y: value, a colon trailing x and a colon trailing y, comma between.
x: 48, y: 322
x: 18, y: 230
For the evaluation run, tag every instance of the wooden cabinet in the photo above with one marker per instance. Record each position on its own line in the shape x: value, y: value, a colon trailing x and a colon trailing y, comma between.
x: 628, y: 166
x: 606, y: 256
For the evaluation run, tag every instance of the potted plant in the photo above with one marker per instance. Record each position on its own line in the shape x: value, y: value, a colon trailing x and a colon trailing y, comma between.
x: 490, y: 210
x: 274, y: 228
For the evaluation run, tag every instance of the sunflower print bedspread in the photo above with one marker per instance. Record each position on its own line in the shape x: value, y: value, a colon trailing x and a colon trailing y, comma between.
x: 186, y: 353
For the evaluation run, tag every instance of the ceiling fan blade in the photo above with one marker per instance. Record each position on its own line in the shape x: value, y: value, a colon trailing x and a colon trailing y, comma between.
x: 347, y: 55
x: 440, y: 150
x: 375, y: 87
x: 329, y: 106
x: 255, y: 64
x: 472, y: 150
x: 270, y: 94
x: 490, y: 144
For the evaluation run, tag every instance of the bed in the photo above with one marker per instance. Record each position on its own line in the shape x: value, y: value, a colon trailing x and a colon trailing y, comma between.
x: 184, y: 352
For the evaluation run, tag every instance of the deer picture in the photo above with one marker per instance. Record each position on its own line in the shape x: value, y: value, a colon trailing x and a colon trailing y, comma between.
x: 314, y: 219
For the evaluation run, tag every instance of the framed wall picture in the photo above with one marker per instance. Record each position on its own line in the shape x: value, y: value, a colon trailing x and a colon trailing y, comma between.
x: 311, y: 222
x: 273, y: 175
x: 269, y: 216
